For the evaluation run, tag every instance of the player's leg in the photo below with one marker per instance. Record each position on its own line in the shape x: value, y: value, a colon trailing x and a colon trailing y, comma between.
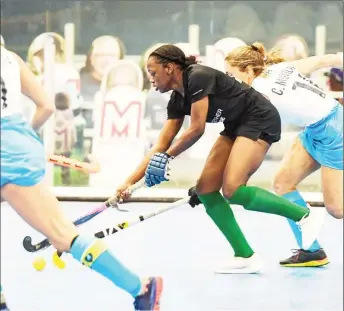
x: 246, y: 157
x: 296, y: 165
x: 332, y: 183
x: 40, y: 209
x: 22, y: 170
x: 216, y: 205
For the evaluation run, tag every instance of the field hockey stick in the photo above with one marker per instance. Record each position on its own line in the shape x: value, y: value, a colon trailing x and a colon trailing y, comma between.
x: 123, y: 225
x: 86, y: 167
x: 112, y: 202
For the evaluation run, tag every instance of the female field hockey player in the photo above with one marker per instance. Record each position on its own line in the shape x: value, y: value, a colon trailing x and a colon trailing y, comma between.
x: 23, y: 163
x: 251, y: 125
x: 320, y: 145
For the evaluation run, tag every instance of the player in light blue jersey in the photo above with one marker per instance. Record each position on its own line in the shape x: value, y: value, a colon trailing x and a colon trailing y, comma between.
x: 23, y: 163
x: 303, y: 103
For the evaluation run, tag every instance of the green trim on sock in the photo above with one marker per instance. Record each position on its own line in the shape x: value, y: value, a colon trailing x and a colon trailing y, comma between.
x: 260, y: 200
x: 222, y: 215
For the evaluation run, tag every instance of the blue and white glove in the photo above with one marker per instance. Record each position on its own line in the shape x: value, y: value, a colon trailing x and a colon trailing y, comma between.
x: 158, y: 169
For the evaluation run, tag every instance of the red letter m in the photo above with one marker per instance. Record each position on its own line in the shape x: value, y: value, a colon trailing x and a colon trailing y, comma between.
x: 117, y: 122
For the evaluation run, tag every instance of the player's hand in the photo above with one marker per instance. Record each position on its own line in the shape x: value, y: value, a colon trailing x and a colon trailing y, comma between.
x: 194, y: 200
x: 122, y: 192
x: 158, y: 169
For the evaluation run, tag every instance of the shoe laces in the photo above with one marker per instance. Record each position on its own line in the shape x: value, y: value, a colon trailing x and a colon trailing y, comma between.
x: 302, y: 221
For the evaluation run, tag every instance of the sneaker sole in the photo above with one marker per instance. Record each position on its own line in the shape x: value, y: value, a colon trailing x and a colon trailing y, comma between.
x: 238, y: 271
x: 158, y: 288
x: 312, y: 263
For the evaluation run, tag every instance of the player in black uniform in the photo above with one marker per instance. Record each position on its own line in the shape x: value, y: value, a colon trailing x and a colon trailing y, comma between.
x: 251, y: 125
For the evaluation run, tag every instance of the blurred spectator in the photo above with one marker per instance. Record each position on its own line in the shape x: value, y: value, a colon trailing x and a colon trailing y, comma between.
x: 156, y: 112
x: 68, y: 120
x: 222, y: 48
x: 65, y: 132
x: 335, y: 82
x: 35, y: 57
x: 293, y: 47
x: 104, y: 51
x: 124, y: 72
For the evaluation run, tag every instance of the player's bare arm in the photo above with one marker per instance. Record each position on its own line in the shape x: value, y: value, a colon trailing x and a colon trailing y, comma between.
x: 31, y: 88
x: 309, y: 65
x: 199, y: 111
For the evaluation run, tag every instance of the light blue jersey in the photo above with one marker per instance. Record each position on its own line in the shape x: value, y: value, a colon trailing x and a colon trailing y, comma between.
x: 302, y: 103
x: 22, y: 153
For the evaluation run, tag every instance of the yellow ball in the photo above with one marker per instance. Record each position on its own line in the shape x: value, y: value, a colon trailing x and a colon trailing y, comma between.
x: 39, y: 263
x: 57, y: 260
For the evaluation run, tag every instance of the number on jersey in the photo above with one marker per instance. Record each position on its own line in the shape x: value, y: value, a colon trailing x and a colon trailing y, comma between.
x: 309, y: 85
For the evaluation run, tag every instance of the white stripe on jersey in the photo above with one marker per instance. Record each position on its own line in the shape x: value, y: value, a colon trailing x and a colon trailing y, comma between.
x: 297, y: 98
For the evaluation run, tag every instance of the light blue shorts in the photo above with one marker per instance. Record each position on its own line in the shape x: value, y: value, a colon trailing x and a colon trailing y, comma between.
x: 23, y: 159
x: 324, y: 139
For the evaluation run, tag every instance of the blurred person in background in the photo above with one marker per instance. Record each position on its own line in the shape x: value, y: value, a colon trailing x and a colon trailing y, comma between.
x: 124, y: 72
x: 222, y: 48
x: 65, y: 132
x: 35, y: 57
x: 335, y: 82
x: 104, y: 51
x: 292, y: 47
x: 121, y: 86
x: 67, y: 89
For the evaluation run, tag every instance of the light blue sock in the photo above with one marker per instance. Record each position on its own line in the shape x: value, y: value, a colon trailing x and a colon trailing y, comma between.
x: 296, y: 198
x: 95, y: 254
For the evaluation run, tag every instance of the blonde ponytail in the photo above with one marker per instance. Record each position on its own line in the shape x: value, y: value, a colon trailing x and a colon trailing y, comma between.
x: 253, y: 55
x: 274, y: 56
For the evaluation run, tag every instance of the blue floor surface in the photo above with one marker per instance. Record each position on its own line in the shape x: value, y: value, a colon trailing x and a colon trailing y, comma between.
x: 183, y: 246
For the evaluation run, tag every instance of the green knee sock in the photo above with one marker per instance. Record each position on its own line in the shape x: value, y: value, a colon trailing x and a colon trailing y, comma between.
x: 260, y: 200
x: 221, y: 213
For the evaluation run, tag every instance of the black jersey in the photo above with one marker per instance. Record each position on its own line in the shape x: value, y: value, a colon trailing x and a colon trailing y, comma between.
x: 228, y: 99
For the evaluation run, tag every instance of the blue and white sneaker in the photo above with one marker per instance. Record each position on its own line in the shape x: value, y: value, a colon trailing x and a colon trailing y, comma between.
x: 150, y: 300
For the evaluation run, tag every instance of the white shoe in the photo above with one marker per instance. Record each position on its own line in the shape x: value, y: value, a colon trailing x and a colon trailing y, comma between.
x: 310, y: 226
x: 240, y: 265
